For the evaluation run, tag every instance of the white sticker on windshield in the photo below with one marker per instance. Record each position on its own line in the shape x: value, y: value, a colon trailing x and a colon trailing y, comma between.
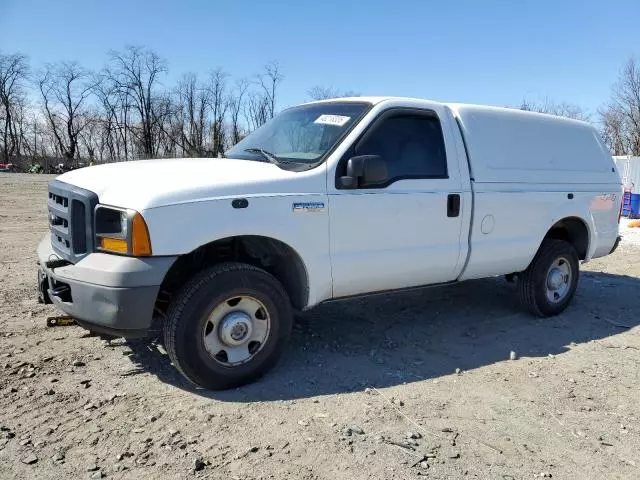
x: 337, y: 120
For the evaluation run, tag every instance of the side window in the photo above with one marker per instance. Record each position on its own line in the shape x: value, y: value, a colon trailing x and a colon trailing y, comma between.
x: 411, y: 145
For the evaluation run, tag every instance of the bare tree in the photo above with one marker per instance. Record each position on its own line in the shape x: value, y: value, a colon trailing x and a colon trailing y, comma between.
x: 322, y: 93
x: 256, y: 110
x: 192, y: 106
x: 65, y: 88
x: 136, y: 73
x: 235, y: 104
x: 269, y: 81
x: 621, y: 120
x: 325, y: 93
x: 14, y: 73
x: 165, y: 132
x: 21, y: 128
x: 90, y: 138
x: 562, y: 109
x: 115, y: 103
x: 107, y: 103
x: 219, y: 106
x: 613, y: 131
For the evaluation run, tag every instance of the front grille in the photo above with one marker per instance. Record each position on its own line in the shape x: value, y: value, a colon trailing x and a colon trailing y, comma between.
x: 71, y: 220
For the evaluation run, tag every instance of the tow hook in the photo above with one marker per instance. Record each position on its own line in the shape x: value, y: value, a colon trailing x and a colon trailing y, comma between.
x: 60, y: 321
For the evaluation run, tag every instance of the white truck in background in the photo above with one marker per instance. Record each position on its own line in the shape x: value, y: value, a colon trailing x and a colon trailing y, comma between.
x: 328, y: 200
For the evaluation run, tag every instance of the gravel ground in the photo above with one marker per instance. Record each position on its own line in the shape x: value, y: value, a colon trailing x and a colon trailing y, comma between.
x: 631, y: 235
x: 390, y: 387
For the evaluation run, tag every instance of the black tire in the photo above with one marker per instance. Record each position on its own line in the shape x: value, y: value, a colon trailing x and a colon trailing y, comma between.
x: 532, y: 283
x: 188, y: 316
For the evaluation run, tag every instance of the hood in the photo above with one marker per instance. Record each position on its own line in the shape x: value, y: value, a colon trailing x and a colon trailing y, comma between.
x: 145, y: 184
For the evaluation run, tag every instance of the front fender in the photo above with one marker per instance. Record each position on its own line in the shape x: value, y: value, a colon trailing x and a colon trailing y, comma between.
x: 180, y: 229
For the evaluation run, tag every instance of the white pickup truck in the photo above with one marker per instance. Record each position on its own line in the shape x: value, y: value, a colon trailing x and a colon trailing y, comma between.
x: 328, y: 200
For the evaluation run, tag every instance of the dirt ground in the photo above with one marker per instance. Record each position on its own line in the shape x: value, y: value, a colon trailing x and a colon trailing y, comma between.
x: 368, y: 389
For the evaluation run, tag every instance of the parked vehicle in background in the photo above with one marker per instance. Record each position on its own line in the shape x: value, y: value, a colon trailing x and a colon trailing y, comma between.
x: 59, y: 168
x: 7, y: 167
x: 328, y: 200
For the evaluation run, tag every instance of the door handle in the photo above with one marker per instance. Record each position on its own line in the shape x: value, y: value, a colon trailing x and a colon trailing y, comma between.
x: 453, y: 205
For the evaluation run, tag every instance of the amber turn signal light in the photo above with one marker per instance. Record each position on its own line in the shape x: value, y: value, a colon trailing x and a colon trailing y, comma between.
x: 114, y: 245
x: 140, y: 242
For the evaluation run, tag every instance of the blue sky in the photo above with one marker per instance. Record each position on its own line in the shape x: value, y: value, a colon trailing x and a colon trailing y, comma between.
x: 494, y: 52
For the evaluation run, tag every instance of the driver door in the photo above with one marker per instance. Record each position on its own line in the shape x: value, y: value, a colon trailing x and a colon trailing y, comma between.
x: 406, y: 231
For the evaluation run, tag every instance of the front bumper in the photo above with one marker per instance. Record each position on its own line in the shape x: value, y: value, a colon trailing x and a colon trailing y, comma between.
x: 103, y: 292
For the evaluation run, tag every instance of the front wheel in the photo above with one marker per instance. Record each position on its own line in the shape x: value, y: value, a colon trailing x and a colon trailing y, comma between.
x: 228, y: 326
x: 547, y: 286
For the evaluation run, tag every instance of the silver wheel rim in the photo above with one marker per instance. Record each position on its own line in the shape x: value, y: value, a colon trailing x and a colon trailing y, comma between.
x: 558, y: 280
x: 236, y: 330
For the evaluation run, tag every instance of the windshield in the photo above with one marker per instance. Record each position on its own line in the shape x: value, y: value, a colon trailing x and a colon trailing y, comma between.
x: 301, y: 135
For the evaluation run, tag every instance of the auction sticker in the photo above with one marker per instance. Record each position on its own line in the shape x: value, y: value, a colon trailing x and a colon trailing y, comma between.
x: 337, y: 120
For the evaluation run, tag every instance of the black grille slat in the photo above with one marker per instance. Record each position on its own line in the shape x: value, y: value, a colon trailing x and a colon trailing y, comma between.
x: 59, y: 222
x: 58, y: 200
x: 79, y: 226
x: 53, y: 203
x: 60, y: 232
x: 63, y: 213
x: 71, y: 220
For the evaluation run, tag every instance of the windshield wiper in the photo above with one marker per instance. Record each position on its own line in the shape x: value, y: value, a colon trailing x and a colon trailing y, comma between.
x: 271, y: 158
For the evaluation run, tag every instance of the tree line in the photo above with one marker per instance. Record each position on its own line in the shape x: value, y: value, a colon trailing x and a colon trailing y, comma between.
x: 125, y: 111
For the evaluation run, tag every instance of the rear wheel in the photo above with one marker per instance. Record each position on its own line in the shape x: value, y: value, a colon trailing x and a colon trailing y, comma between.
x: 227, y: 326
x: 548, y: 285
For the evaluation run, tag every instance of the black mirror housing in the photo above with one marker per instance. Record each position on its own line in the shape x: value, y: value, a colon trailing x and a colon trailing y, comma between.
x: 365, y: 171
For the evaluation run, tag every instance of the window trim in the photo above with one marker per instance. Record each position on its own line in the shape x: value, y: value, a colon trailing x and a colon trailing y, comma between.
x: 382, y: 116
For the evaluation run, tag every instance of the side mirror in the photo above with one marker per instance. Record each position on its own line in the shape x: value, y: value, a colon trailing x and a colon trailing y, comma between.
x: 365, y: 171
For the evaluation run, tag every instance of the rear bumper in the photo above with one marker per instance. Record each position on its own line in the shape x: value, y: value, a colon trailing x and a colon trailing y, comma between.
x: 106, y: 293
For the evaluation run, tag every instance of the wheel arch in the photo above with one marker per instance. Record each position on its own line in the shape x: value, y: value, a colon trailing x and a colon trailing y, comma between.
x: 574, y: 230
x: 275, y: 256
